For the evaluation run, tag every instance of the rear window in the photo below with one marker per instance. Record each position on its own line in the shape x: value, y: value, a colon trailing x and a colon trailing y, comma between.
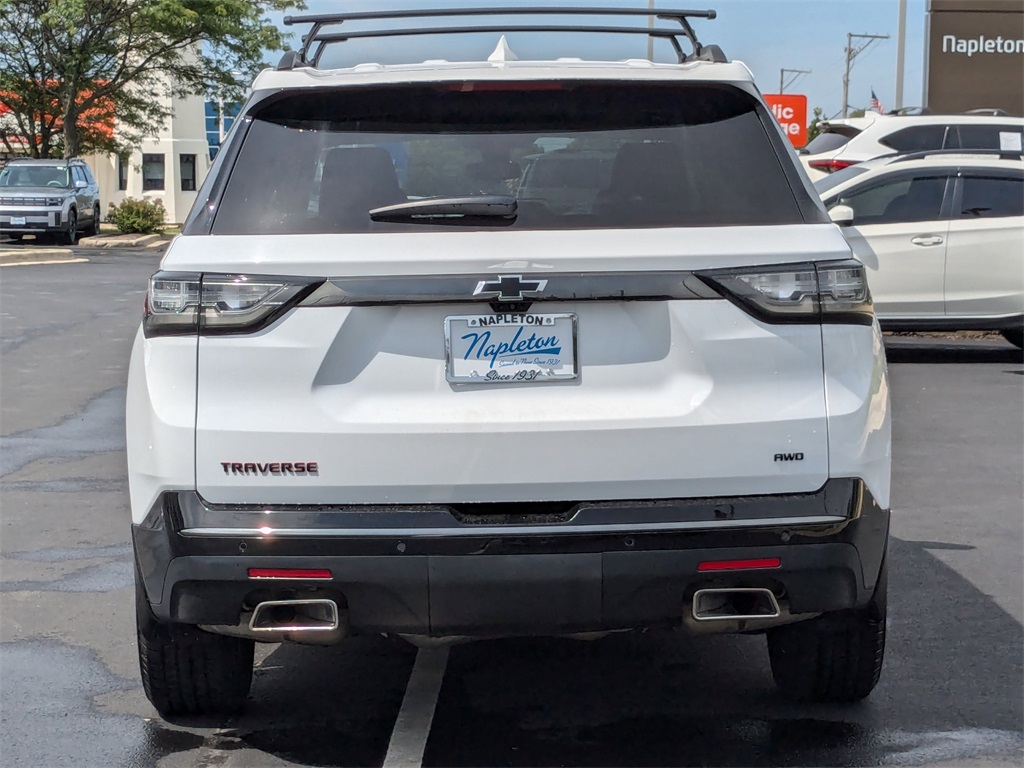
x: 985, y: 136
x: 572, y: 156
x: 992, y: 197
x: 825, y: 142
x: 916, y: 139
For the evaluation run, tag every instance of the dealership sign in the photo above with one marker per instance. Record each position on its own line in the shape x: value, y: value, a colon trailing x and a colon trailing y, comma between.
x: 975, y: 56
x: 791, y: 111
x: 969, y: 46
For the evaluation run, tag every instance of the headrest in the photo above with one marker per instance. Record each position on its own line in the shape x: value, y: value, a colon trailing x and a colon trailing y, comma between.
x: 358, y: 178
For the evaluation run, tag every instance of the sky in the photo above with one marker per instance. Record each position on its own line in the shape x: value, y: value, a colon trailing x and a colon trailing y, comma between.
x: 766, y: 35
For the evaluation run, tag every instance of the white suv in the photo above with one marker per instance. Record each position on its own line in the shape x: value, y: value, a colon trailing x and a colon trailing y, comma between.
x: 942, y: 236
x: 843, y: 143
x: 373, y: 391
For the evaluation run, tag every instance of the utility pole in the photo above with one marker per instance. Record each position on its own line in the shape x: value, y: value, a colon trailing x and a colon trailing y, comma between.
x: 782, y: 77
x: 851, y: 54
x: 650, y: 25
x: 901, y: 42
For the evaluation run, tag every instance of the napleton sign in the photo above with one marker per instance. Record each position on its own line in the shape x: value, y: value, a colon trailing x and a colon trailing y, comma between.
x: 790, y: 110
x: 975, y: 55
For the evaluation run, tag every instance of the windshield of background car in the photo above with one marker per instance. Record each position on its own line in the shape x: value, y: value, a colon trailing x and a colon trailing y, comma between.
x: 823, y: 185
x: 34, y: 176
x: 573, y: 155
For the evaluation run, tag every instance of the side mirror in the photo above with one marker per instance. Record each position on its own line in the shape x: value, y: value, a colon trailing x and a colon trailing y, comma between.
x: 81, y: 184
x: 841, y: 215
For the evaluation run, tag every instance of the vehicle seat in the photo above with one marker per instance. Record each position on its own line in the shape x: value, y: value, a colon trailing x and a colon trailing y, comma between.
x: 356, y: 180
x: 646, y: 185
x: 921, y: 202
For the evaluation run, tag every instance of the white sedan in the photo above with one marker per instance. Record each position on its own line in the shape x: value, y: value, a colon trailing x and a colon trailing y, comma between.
x: 942, y: 235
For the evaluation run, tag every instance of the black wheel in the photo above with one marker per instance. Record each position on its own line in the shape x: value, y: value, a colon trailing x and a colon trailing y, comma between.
x: 1015, y: 336
x: 186, y: 671
x: 70, y: 234
x: 94, y: 226
x: 835, y: 657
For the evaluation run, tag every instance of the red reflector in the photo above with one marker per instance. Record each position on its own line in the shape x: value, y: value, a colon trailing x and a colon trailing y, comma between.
x: 289, y: 573
x: 739, y: 565
x: 498, y: 85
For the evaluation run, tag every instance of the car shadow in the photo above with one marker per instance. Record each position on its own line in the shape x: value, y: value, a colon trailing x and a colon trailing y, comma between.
x: 950, y: 691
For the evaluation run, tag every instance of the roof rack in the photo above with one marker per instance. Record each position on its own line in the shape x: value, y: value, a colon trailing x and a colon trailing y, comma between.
x: 317, y: 38
x: 900, y: 157
x: 988, y: 112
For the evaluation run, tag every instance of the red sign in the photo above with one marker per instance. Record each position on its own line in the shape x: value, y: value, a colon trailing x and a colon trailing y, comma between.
x: 791, y: 112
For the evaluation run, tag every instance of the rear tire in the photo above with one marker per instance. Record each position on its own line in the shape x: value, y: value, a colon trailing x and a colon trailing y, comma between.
x: 836, y: 657
x: 186, y: 671
x: 1015, y: 336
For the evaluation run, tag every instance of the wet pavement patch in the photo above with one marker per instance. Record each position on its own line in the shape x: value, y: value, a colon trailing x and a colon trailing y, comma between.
x: 63, y: 727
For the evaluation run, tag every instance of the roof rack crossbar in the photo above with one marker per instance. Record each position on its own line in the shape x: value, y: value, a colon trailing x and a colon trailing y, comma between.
x: 316, y: 36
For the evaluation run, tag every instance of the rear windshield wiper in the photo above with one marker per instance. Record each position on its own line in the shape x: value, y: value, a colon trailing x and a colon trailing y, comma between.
x: 450, y: 210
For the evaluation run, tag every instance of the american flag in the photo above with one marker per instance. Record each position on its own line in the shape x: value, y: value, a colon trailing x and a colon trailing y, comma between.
x: 875, y: 103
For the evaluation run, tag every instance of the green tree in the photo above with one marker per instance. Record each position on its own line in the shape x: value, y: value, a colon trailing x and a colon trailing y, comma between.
x: 817, y: 116
x: 68, y: 66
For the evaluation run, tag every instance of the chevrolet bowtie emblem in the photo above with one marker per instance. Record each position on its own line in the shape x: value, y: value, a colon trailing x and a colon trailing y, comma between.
x: 509, y: 288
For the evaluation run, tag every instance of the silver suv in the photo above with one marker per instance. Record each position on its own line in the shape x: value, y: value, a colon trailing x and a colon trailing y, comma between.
x: 53, y: 196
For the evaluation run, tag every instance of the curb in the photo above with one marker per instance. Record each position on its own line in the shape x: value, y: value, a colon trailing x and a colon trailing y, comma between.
x: 122, y: 241
x: 12, y: 257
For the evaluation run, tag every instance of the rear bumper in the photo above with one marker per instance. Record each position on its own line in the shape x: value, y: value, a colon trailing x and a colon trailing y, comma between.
x: 491, y: 581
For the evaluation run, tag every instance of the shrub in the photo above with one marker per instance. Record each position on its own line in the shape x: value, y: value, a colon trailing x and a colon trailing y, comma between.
x: 136, y: 215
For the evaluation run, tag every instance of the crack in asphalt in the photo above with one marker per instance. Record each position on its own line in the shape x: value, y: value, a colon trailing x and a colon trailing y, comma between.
x: 81, y: 434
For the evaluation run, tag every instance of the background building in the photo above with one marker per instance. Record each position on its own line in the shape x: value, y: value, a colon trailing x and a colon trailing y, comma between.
x: 220, y: 116
x: 170, y: 166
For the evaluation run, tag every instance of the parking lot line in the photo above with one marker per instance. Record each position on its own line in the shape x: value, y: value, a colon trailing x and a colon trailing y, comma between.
x: 36, y: 263
x: 412, y: 727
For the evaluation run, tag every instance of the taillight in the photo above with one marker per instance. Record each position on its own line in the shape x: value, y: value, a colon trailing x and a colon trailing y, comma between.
x: 829, y: 292
x: 831, y: 166
x: 180, y: 303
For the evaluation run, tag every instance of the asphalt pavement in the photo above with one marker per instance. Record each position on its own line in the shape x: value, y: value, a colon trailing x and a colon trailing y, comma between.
x: 951, y: 690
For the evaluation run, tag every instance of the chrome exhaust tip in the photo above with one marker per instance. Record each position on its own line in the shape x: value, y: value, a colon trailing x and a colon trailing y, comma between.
x: 295, y: 616
x: 735, y: 603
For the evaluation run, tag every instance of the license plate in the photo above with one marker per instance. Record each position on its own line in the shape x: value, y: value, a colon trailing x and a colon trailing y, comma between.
x: 510, y: 348
x: 18, y: 221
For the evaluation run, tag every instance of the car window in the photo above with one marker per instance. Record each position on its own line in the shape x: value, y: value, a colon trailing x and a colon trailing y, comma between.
x: 77, y: 172
x: 985, y: 136
x: 906, y: 198
x: 916, y: 139
x: 825, y: 142
x: 991, y: 197
x: 590, y: 156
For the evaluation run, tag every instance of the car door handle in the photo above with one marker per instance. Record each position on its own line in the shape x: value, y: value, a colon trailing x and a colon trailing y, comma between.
x: 926, y: 240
